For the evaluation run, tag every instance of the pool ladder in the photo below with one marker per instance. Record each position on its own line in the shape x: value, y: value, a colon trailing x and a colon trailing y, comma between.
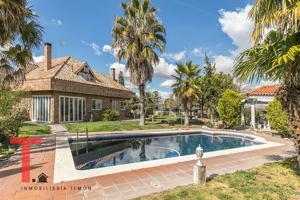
x: 87, y: 141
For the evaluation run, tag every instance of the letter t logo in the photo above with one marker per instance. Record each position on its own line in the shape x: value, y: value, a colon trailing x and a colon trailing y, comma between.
x: 25, y: 143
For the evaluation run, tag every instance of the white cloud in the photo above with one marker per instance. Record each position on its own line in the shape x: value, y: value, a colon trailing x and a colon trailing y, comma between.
x: 167, y: 83
x: 197, y: 52
x: 119, y: 67
x: 248, y: 86
x: 37, y: 59
x: 164, y: 69
x: 108, y: 49
x: 164, y: 94
x: 238, y: 27
x: 131, y: 86
x: 56, y: 22
x: 96, y: 48
x: 175, y: 56
x: 224, y: 63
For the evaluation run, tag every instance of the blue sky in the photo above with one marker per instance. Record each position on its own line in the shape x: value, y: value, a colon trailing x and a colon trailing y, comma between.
x: 82, y: 29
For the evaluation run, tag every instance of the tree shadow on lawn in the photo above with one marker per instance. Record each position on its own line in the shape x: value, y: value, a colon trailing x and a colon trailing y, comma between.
x: 291, y: 164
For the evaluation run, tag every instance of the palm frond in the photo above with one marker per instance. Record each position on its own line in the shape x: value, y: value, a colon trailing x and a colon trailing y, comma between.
x: 137, y: 36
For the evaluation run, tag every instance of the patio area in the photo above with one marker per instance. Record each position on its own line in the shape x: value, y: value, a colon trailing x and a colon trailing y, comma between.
x: 125, y: 185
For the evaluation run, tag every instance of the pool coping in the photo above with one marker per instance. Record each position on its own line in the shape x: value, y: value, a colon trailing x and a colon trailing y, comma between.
x: 64, y: 167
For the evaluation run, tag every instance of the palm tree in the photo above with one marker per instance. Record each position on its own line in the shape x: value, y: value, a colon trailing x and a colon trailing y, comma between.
x: 276, y: 55
x: 137, y: 35
x: 186, y: 87
x: 20, y: 33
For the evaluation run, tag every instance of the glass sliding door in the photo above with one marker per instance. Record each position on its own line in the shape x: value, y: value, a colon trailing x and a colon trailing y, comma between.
x: 71, y: 109
x: 114, y: 105
x: 41, y: 108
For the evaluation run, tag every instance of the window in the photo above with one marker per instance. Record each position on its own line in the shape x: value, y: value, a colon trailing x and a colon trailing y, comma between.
x: 122, y: 105
x: 87, y: 74
x: 86, y: 77
x: 96, y: 104
x: 114, y: 105
x: 41, y: 108
x: 71, y: 109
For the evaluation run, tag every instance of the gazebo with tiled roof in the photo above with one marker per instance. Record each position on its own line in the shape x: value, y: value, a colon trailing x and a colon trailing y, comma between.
x: 259, y: 97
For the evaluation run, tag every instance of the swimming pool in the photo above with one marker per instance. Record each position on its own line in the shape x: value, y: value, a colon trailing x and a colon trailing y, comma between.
x: 100, y: 152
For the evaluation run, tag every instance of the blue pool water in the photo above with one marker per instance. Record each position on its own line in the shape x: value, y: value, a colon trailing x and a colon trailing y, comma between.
x: 104, y: 152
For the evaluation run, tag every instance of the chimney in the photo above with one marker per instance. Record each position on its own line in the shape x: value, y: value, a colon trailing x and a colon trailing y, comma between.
x: 113, y: 73
x: 48, y: 55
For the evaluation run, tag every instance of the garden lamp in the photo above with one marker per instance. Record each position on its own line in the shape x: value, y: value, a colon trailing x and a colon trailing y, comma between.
x: 199, y: 154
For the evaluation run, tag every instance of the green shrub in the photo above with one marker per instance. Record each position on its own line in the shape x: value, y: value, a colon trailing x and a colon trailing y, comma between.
x: 12, y: 114
x: 277, y: 117
x: 109, y: 115
x: 229, y: 108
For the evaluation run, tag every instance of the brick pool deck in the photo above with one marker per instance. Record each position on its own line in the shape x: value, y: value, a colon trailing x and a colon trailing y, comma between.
x: 125, y: 185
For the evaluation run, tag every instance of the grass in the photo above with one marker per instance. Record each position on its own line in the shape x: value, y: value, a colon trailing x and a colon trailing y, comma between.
x: 280, y: 180
x: 157, y: 123
x: 34, y: 129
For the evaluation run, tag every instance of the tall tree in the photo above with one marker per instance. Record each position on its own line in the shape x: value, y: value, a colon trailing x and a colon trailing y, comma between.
x: 136, y: 37
x: 133, y: 105
x: 168, y: 104
x: 209, y: 91
x: 213, y: 86
x: 121, y: 78
x: 276, y: 55
x: 153, y: 102
x: 20, y: 33
x: 185, y: 87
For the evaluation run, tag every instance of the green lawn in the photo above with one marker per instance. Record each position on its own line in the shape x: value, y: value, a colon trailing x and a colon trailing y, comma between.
x: 158, y: 123
x: 279, y: 180
x: 34, y: 129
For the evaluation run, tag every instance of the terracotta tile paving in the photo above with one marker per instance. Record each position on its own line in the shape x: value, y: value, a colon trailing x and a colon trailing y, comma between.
x: 124, y: 185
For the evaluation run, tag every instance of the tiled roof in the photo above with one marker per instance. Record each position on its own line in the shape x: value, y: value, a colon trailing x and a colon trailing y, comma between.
x: 267, y: 90
x: 38, y: 70
x: 66, y: 68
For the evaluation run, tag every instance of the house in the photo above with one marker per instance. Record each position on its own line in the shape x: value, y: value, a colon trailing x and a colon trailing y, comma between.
x: 66, y: 90
x: 258, y: 99
x: 42, y: 178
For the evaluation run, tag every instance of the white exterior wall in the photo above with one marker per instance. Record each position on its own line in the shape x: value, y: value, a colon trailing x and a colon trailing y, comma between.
x: 261, y: 98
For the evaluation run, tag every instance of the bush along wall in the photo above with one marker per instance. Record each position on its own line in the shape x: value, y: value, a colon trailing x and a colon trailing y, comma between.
x: 278, y: 118
x: 229, y: 108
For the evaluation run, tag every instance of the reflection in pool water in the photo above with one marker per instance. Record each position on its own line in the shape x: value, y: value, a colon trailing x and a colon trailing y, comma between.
x: 110, y: 152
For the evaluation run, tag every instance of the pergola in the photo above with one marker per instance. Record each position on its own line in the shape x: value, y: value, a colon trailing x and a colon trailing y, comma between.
x: 258, y: 98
